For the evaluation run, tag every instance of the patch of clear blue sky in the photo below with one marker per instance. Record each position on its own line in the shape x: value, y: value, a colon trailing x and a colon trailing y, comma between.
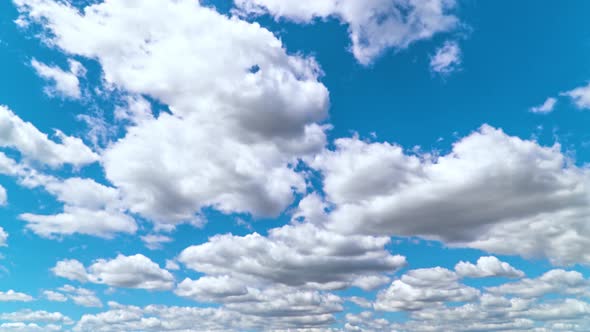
x: 515, y: 55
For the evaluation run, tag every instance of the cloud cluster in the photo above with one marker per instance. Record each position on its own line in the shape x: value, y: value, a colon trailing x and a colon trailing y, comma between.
x: 374, y: 26
x: 135, y: 271
x: 493, y: 192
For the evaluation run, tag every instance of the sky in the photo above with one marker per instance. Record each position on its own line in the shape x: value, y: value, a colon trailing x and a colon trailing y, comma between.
x: 311, y: 165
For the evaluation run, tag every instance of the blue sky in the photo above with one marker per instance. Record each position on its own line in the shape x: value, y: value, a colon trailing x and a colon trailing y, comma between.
x: 260, y: 165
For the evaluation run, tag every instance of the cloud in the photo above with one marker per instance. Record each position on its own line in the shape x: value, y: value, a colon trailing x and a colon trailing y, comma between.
x: 546, y: 107
x: 135, y: 271
x: 81, y: 296
x: 552, y: 282
x: 174, y: 318
x: 36, y: 146
x: 42, y: 316
x: 580, y: 96
x: 155, y: 241
x: 488, y: 266
x: 418, y: 289
x: 374, y: 26
x: 90, y: 208
x: 3, y: 197
x: 12, y: 296
x: 301, y: 254
x: 493, y: 192
x: 54, y: 296
x: 3, y: 236
x: 262, y: 121
x: 447, y: 58
x: 64, y: 83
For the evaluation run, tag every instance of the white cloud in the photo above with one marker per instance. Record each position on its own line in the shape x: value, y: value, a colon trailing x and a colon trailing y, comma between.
x: 164, y: 318
x: 30, y: 327
x: 552, y: 282
x: 12, y: 296
x: 419, y: 289
x: 3, y: 198
x: 35, y: 145
x: 301, y: 254
x: 135, y: 271
x: 447, y: 58
x: 488, y: 266
x: 54, y: 296
x: 546, y: 107
x: 580, y: 96
x: 155, y: 241
x: 374, y: 26
x: 89, y: 208
x: 493, y: 192
x: 3, y: 237
x: 81, y: 296
x: 262, y: 121
x: 28, y: 315
x: 172, y: 265
x: 64, y: 83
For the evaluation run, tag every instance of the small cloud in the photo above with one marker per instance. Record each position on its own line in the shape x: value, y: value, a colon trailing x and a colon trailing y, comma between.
x: 447, y: 58
x: 63, y: 83
x: 546, y: 107
x: 580, y: 96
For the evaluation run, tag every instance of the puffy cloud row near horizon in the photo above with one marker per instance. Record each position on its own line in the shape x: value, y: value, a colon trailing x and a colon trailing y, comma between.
x: 214, y: 114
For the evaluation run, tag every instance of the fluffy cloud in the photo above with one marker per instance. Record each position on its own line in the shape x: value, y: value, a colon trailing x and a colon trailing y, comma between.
x: 493, y: 192
x: 373, y: 25
x: 65, y: 83
x: 42, y: 316
x: 12, y: 296
x: 80, y: 296
x: 261, y: 120
x: 89, y: 208
x: 551, y: 282
x: 135, y: 271
x: 580, y: 96
x: 301, y: 254
x: 493, y: 313
x: 162, y: 318
x: 418, y: 289
x: 546, y: 107
x: 488, y: 266
x: 446, y: 59
x: 36, y: 146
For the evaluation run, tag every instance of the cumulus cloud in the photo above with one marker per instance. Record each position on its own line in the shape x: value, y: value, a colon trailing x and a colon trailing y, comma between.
x: 42, y: 316
x: 135, y: 271
x: 580, y: 96
x: 36, y: 146
x: 164, y: 318
x: 447, y: 58
x: 374, y: 26
x: 90, y: 208
x: 546, y: 107
x: 488, y: 266
x: 64, y: 83
x: 301, y: 254
x: 262, y: 121
x: 418, y: 289
x: 12, y: 296
x: 552, y: 282
x: 80, y: 296
x: 493, y: 192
